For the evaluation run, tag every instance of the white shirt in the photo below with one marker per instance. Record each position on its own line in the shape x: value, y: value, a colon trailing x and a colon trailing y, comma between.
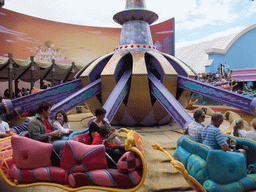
x: 195, y: 130
x: 241, y: 133
x: 64, y: 129
x: 4, y: 127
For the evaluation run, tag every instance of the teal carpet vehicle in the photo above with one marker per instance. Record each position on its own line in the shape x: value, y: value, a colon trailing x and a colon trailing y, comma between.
x: 207, y: 169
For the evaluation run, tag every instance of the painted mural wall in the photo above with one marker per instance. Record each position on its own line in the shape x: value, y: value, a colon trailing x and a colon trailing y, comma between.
x: 26, y: 36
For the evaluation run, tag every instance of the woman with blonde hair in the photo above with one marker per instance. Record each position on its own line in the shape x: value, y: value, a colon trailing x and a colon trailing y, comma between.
x: 238, y: 130
x: 252, y: 134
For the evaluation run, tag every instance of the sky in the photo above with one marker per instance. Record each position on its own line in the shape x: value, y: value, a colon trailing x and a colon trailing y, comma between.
x: 196, y: 21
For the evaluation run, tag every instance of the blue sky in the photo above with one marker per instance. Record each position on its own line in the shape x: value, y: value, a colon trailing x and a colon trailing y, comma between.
x: 195, y: 20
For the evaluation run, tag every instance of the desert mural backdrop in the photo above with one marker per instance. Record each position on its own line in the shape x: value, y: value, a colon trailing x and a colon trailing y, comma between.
x: 24, y: 36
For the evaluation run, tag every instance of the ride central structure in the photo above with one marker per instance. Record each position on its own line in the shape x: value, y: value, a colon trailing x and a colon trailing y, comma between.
x: 137, y: 62
x: 136, y: 84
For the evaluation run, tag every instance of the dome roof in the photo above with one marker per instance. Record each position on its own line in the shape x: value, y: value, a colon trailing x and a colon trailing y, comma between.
x: 196, y: 55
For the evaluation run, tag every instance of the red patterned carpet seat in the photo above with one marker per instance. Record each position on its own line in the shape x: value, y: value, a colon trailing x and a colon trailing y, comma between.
x: 81, y: 165
x: 81, y: 136
x: 5, y: 144
x: 127, y: 175
x: 79, y: 157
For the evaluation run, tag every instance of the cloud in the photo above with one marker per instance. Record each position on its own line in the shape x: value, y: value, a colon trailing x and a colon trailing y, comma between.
x: 9, y: 31
x: 27, y: 40
x: 9, y: 40
x: 97, y: 32
x: 165, y: 32
x: 192, y: 34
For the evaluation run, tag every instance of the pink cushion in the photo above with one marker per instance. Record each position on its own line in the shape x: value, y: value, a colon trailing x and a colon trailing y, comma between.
x: 77, y: 157
x: 31, y: 154
x: 83, y: 138
x: 106, y: 178
x: 52, y: 174
x: 129, y: 162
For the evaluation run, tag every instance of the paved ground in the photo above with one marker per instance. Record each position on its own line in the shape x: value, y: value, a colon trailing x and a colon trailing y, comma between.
x: 161, y: 175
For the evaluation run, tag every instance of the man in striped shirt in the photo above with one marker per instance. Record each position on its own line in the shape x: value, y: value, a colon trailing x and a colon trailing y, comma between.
x: 211, y: 134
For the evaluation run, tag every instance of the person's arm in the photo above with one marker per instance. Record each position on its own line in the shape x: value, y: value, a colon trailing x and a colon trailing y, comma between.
x: 3, y: 135
x: 60, y: 127
x: 112, y: 129
x: 225, y: 147
x: 221, y: 141
x: 34, y: 131
x: 93, y: 134
x: 7, y: 130
x: 113, y: 146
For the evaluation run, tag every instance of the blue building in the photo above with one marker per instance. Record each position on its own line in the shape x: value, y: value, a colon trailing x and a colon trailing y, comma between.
x: 236, y: 52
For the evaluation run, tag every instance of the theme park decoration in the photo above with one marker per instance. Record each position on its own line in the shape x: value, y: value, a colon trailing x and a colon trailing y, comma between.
x: 22, y: 167
x: 136, y: 84
x: 207, y: 169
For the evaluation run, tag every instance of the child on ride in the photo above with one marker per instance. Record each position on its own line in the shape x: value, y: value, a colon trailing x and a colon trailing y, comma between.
x: 252, y: 134
x: 61, y: 122
x: 99, y: 121
x: 238, y: 130
x: 114, y: 150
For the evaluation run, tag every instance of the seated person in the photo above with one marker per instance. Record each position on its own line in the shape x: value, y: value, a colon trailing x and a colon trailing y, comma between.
x: 252, y: 134
x: 42, y: 129
x: 4, y: 128
x: 61, y: 122
x: 114, y: 150
x: 17, y: 129
x: 196, y: 127
x: 238, y: 130
x: 211, y: 134
x: 97, y: 122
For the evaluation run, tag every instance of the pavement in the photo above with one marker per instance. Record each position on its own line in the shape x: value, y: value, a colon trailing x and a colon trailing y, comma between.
x: 161, y: 175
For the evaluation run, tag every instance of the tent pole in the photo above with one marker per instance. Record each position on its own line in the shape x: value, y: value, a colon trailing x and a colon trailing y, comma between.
x: 71, y: 71
x: 10, y: 71
x: 53, y: 71
x: 16, y: 86
x: 32, y: 69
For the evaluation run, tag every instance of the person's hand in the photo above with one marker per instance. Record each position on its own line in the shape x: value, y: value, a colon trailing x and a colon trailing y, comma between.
x: 6, y: 134
x: 112, y: 130
x: 55, y: 133
x: 227, y: 139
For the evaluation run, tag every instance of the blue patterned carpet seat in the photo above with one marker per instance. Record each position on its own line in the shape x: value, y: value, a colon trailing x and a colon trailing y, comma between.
x: 215, y: 170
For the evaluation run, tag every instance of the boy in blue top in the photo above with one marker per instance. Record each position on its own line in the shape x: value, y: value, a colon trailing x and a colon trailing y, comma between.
x: 211, y: 134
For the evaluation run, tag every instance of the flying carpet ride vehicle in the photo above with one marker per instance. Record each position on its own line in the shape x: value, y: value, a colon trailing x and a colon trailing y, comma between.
x: 207, y: 169
x: 82, y: 166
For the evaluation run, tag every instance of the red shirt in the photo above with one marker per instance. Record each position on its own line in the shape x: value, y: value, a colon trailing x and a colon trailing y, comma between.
x: 99, y: 140
x: 47, y: 126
